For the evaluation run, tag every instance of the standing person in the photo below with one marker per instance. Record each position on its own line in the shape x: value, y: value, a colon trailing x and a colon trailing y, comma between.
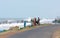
x: 24, y: 23
x: 34, y: 21
x: 38, y: 21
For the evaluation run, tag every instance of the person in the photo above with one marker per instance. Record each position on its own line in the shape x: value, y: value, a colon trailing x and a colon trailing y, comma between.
x: 38, y: 21
x: 34, y: 21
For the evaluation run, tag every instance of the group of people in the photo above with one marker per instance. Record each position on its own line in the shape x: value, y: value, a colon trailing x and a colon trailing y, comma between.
x: 35, y: 21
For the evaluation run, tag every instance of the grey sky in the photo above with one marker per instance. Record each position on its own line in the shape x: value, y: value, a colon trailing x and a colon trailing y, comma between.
x: 29, y: 8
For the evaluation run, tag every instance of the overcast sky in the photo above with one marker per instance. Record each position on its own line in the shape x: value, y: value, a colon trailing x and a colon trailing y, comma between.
x: 29, y: 8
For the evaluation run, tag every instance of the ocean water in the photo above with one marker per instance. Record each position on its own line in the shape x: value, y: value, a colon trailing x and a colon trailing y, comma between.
x: 7, y: 26
x: 2, y: 28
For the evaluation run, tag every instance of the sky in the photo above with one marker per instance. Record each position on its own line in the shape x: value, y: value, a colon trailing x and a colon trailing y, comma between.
x: 29, y: 8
